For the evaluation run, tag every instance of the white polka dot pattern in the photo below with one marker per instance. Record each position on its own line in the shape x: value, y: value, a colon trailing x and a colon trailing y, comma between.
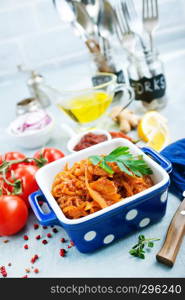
x: 144, y: 222
x: 131, y: 214
x: 108, y: 239
x: 89, y: 236
x: 164, y: 196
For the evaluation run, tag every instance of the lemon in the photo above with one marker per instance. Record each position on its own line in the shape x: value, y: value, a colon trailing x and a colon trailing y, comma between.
x: 153, y: 129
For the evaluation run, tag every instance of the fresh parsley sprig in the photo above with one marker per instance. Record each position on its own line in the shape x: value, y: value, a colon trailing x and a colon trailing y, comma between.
x: 138, y: 249
x: 124, y: 160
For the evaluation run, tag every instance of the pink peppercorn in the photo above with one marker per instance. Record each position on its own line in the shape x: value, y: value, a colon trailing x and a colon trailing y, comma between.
x: 25, y: 237
x: 55, y: 230
x: 44, y: 227
x: 44, y: 242
x: 36, y: 270
x: 3, y: 271
x: 49, y: 235
x: 63, y: 240
x: 62, y: 252
x: 26, y: 246
x: 36, y: 226
x: 38, y: 237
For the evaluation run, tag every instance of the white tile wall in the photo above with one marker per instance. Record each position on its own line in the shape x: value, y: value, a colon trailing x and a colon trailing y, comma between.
x: 31, y: 32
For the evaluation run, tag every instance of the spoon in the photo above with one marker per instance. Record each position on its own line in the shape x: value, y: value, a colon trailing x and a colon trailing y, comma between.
x: 67, y: 15
x: 84, y: 19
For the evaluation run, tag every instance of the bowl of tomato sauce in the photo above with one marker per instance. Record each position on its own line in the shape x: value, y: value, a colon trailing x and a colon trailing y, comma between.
x: 88, y: 139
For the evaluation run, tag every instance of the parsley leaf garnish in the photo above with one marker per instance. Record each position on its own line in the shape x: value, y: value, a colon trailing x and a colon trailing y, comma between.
x: 126, y: 162
x: 138, y: 249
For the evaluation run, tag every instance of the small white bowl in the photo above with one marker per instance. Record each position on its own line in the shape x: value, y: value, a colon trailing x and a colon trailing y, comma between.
x: 33, y: 140
x: 74, y: 140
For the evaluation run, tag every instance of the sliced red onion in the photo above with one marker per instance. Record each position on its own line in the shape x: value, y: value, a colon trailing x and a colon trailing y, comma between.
x: 30, y: 122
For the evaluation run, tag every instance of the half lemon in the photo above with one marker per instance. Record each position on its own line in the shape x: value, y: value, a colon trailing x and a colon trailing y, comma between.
x: 153, y: 129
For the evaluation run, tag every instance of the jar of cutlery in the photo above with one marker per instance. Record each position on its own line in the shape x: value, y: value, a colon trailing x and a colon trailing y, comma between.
x: 146, y: 76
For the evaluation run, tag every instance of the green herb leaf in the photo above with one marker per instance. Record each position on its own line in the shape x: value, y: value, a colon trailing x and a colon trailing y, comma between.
x: 106, y: 167
x: 124, y: 160
x: 138, y: 249
x: 150, y: 244
x: 95, y: 159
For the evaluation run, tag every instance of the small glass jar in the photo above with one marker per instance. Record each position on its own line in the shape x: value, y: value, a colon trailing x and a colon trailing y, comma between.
x: 27, y: 105
x: 146, y: 76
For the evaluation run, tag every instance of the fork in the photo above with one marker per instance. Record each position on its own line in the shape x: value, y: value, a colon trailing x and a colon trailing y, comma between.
x: 150, y: 18
x: 127, y: 36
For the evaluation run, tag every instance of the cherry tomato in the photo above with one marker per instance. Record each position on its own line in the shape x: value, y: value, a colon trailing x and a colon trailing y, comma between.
x: 26, y: 173
x: 1, y: 159
x: 14, y: 156
x: 9, y: 156
x: 50, y: 154
x: 13, y: 214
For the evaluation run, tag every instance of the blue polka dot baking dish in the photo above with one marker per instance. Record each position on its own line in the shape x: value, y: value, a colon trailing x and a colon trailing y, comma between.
x: 113, y: 222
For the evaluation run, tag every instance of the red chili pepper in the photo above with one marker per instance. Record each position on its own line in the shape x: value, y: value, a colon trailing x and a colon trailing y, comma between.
x: 26, y: 237
x: 34, y: 258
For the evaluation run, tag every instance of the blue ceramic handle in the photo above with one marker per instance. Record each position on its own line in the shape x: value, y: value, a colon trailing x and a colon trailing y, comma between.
x: 44, y: 218
x: 160, y: 159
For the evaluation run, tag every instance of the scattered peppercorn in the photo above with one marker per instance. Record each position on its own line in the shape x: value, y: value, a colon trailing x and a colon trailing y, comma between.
x: 55, y: 230
x: 72, y: 243
x: 26, y: 247
x: 25, y: 237
x: 36, y: 270
x: 36, y: 226
x: 63, y: 240
x: 44, y: 227
x: 44, y: 242
x: 38, y: 237
x: 9, y: 264
x: 6, y: 241
x: 3, y: 271
x: 49, y: 235
x: 69, y: 246
x: 62, y: 252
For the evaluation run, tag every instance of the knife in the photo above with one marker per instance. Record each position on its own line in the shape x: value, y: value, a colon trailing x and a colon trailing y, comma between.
x: 176, y: 230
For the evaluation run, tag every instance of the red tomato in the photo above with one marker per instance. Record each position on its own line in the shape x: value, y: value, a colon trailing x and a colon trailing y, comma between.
x: 50, y: 154
x: 27, y: 175
x: 1, y: 159
x: 14, y: 156
x: 9, y: 156
x: 13, y: 214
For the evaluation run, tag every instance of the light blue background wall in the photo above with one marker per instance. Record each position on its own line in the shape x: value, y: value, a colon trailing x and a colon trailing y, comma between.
x: 32, y: 34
